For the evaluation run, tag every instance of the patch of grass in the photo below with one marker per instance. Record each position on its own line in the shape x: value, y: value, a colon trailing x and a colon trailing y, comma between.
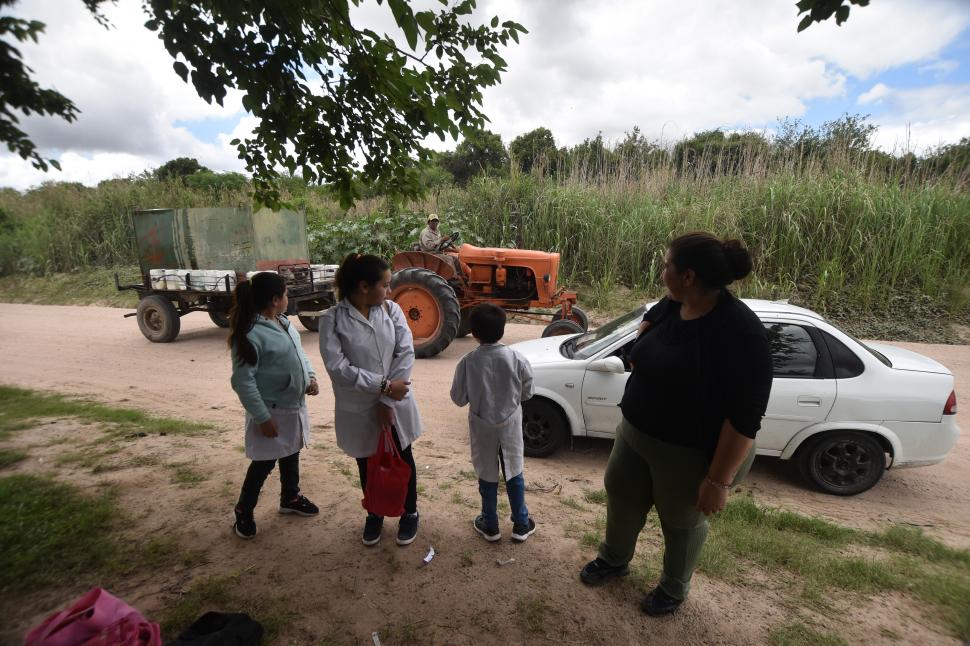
x: 20, y: 408
x: 595, y: 496
x: 184, y: 475
x: 50, y: 532
x: 410, y: 632
x: 820, y: 557
x: 591, y: 540
x: 797, y: 633
x: 466, y: 560
x: 11, y: 456
x: 220, y: 593
x: 467, y: 475
x: 889, y: 634
x: 533, y: 612
x: 572, y: 503
x: 90, y: 287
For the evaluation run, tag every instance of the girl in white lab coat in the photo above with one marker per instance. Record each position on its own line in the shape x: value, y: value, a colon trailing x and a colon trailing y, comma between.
x: 368, y: 352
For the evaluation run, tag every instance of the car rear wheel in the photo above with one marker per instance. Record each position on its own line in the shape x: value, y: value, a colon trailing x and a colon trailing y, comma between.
x: 544, y: 427
x: 844, y: 463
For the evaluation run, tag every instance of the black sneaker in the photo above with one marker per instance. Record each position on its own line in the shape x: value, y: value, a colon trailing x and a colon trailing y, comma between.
x: 489, y: 532
x: 657, y: 603
x: 599, y: 571
x: 407, y: 529
x: 300, y: 505
x: 372, y: 529
x: 522, y: 531
x: 245, y: 525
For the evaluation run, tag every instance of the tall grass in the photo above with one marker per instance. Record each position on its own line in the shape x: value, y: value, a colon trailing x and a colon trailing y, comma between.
x: 838, y: 232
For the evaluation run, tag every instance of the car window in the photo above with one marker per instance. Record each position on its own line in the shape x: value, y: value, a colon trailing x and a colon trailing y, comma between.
x: 847, y: 363
x: 793, y: 353
x: 586, y: 345
x: 623, y: 352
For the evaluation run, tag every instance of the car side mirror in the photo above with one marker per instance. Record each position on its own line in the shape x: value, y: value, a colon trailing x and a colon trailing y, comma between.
x: 608, y: 364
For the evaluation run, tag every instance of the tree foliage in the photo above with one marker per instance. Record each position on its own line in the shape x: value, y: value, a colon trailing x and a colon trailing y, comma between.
x: 822, y: 10
x: 179, y: 167
x: 536, y: 147
x: 480, y: 152
x: 327, y: 92
x: 337, y: 103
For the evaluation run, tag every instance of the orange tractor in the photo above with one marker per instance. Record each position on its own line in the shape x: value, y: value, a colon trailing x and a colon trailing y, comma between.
x: 437, y: 291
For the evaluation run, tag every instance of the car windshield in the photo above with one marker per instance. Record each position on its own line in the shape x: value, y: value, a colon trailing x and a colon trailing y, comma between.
x: 586, y: 345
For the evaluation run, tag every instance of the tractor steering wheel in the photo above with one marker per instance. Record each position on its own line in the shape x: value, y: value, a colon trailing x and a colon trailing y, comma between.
x: 449, y: 241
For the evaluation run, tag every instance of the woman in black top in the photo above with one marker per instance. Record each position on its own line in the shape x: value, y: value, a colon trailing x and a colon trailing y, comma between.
x: 692, y: 407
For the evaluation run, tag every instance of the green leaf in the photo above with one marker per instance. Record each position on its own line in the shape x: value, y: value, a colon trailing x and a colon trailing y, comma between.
x: 842, y: 15
x: 805, y: 23
x: 181, y: 70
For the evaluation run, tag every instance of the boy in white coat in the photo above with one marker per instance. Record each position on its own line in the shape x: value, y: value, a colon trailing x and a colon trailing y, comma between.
x: 493, y: 380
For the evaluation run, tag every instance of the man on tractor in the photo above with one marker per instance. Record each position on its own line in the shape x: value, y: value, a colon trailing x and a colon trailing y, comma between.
x: 432, y: 239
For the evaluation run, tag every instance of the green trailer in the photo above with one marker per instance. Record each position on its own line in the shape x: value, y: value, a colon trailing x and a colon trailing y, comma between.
x: 191, y: 259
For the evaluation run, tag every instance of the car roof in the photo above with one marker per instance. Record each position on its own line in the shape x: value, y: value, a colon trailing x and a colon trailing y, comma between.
x: 760, y: 306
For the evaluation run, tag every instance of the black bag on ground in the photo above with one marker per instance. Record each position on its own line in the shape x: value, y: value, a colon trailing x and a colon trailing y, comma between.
x: 218, y: 628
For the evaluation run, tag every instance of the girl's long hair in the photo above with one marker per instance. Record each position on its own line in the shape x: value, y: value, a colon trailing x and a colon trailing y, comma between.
x: 248, y: 299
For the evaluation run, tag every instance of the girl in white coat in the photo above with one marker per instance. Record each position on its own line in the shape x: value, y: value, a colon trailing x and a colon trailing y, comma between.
x: 368, y: 352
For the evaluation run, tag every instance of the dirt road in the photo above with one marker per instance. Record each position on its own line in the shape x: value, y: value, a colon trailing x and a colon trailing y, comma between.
x: 95, y: 352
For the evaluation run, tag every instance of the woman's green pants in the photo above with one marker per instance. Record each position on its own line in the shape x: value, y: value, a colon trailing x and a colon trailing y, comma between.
x: 645, y: 472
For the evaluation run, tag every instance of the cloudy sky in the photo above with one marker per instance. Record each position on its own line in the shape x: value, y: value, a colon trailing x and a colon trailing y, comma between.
x: 587, y: 66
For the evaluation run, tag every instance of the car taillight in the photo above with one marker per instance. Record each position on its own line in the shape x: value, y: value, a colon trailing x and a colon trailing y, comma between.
x: 951, y: 404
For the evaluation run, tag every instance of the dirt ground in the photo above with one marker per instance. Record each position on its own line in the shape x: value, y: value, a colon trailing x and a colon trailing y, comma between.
x: 345, y: 591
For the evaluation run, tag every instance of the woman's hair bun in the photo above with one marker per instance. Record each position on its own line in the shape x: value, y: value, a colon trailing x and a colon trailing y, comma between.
x: 738, y: 258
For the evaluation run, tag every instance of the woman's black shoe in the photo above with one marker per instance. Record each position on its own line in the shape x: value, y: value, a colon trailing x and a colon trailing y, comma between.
x: 599, y: 571
x: 658, y: 602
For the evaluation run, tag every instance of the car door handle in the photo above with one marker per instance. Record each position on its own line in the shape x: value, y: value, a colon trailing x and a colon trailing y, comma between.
x: 809, y: 401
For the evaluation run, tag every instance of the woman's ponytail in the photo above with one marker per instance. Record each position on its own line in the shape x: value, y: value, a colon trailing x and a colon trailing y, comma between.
x: 242, y: 316
x: 248, y: 299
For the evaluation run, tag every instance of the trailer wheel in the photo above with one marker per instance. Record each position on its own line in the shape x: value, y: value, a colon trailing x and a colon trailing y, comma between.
x: 578, y: 317
x: 221, y: 319
x: 311, y: 323
x: 430, y: 308
x: 157, y: 319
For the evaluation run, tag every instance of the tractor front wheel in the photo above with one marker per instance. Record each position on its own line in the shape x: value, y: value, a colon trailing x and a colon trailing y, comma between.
x: 577, y: 316
x: 430, y: 308
x: 561, y: 327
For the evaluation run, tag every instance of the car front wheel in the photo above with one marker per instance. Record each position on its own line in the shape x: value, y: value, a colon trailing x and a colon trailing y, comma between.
x: 543, y: 427
x: 843, y: 463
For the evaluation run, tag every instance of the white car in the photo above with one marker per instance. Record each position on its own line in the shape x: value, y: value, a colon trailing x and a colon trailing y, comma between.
x: 844, y: 410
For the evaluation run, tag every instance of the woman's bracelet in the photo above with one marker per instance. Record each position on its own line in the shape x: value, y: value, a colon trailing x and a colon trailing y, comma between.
x: 719, y: 485
x: 383, y: 389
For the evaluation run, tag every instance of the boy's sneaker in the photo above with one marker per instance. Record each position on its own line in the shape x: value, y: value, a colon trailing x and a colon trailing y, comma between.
x: 245, y: 525
x: 489, y: 532
x: 372, y: 529
x: 407, y: 529
x: 599, y: 571
x: 657, y: 603
x: 300, y: 505
x: 522, y: 531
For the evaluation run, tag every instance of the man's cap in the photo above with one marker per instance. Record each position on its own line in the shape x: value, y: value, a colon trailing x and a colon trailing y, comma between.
x: 432, y: 216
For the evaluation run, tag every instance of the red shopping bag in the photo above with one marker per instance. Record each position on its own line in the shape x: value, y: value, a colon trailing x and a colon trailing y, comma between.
x: 97, y: 618
x: 387, y: 478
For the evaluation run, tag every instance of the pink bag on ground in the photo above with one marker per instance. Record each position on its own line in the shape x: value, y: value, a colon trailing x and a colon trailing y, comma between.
x: 98, y: 618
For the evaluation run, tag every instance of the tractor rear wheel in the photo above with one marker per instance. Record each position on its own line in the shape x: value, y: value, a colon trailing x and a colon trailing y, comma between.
x: 311, y: 323
x: 430, y: 308
x: 464, y: 325
x: 577, y: 316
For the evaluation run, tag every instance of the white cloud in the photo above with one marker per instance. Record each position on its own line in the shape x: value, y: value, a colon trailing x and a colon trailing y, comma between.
x: 875, y: 94
x: 921, y: 119
x: 586, y: 66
